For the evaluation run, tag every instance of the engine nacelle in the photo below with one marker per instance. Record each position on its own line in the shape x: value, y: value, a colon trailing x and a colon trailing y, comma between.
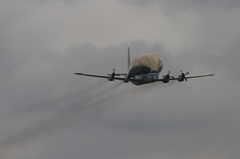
x: 111, y: 76
x: 126, y: 80
x: 180, y: 78
x: 165, y: 79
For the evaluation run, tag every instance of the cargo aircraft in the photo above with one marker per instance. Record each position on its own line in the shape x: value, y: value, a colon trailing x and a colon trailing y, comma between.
x: 143, y: 70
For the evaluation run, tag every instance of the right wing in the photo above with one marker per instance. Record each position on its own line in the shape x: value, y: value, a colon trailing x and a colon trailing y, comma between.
x: 187, y: 77
x: 199, y: 76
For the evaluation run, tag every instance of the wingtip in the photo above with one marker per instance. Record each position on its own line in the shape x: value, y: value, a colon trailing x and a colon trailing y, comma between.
x: 77, y: 73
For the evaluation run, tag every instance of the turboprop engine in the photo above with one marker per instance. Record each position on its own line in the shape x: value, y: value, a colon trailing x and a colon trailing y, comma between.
x: 111, y: 76
x: 182, y: 77
x: 126, y: 80
x: 166, y: 77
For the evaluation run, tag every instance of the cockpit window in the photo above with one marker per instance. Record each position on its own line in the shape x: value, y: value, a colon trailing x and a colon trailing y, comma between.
x: 145, y: 69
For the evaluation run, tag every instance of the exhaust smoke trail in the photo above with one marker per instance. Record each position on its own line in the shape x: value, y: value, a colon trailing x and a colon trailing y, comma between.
x: 125, y: 95
x: 69, y: 115
x: 111, y: 99
x: 47, y: 104
x: 171, y: 82
x: 66, y: 116
x: 86, y: 104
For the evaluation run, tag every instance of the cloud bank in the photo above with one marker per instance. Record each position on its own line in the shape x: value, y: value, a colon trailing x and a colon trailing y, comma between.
x: 48, y: 112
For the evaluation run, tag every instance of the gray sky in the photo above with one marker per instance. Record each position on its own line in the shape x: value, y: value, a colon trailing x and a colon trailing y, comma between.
x: 48, y: 112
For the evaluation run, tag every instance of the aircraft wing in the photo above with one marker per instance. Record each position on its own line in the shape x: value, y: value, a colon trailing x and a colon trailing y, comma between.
x: 199, y: 76
x: 106, y: 76
x: 187, y: 77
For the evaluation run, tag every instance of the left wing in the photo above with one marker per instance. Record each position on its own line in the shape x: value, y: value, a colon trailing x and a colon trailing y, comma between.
x: 107, y: 76
x: 99, y: 76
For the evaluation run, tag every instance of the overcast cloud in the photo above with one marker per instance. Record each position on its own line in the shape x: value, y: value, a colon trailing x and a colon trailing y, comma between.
x: 48, y: 112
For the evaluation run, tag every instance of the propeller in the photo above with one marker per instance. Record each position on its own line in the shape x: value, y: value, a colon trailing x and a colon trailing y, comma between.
x: 167, y: 77
x: 183, y: 75
x: 111, y: 76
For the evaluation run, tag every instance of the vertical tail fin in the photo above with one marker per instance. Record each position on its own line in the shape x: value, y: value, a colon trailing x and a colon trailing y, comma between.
x: 129, y: 58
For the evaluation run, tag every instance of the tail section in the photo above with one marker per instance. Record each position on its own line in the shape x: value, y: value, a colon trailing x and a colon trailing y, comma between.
x: 129, y: 58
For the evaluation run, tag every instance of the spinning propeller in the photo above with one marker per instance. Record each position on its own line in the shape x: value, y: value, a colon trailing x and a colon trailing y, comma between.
x: 166, y: 77
x: 111, y: 76
x: 182, y: 76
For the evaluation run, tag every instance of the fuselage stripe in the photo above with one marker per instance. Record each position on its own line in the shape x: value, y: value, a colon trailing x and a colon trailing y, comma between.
x: 143, y: 72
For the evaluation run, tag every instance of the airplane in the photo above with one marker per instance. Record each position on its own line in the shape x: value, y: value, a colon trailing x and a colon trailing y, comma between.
x: 143, y: 70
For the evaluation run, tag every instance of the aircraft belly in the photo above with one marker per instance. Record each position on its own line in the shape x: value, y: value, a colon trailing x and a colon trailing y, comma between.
x: 146, y: 78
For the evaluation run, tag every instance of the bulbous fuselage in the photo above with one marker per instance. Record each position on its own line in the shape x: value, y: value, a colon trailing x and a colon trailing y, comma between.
x: 146, y: 67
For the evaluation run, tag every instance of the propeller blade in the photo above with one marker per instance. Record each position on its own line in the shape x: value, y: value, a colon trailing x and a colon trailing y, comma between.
x: 183, y: 75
